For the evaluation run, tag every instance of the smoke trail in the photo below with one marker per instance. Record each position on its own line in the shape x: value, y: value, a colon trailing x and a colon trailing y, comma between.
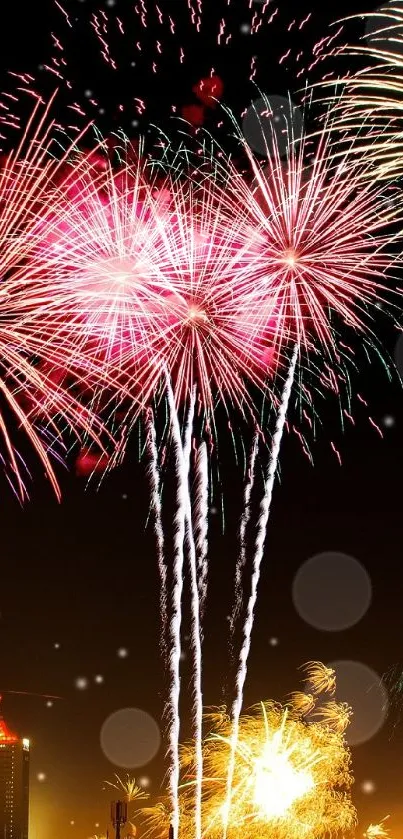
x: 176, y: 613
x: 242, y: 533
x: 154, y: 478
x: 257, y: 562
x: 195, y: 625
x: 201, y: 524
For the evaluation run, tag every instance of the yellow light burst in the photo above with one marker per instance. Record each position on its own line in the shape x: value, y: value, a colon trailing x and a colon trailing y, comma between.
x: 291, y: 779
x: 129, y: 787
x: 377, y: 831
x: 321, y: 678
x: 277, y: 780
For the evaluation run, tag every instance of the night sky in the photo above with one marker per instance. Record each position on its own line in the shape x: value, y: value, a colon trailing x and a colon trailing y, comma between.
x: 78, y: 580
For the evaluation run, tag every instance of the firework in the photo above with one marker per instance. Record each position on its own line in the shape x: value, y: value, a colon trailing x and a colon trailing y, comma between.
x: 321, y: 678
x: 207, y: 287
x: 154, y: 474
x: 242, y: 532
x: 195, y: 623
x: 201, y: 523
x: 42, y: 404
x: 377, y: 831
x: 129, y: 787
x: 291, y: 776
x: 154, y: 44
x: 147, y: 285
x: 320, y: 239
x: 319, y: 247
x: 258, y: 558
x: 144, y: 286
x: 367, y: 102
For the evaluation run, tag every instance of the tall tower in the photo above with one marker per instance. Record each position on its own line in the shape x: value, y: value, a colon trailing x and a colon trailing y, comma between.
x: 14, y: 784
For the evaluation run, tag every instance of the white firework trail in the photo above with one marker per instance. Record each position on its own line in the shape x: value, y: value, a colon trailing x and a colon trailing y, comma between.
x: 176, y: 613
x: 201, y: 524
x: 265, y: 506
x: 195, y: 625
x: 182, y: 527
x: 154, y: 479
x: 250, y: 479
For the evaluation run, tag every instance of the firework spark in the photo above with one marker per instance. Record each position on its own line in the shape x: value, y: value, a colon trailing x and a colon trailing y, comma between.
x: 132, y: 791
x: 291, y: 776
x: 241, y: 560
x: 367, y: 102
x: 152, y: 42
x: 322, y: 679
x: 154, y: 477
x: 377, y: 831
x: 201, y: 523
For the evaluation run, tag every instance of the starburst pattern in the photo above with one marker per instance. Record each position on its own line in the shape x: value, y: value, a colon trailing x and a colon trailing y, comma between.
x: 320, y: 238
x: 292, y: 777
x: 30, y: 389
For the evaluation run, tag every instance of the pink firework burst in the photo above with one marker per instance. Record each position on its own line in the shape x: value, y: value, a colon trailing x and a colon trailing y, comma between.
x: 320, y: 238
x: 146, y: 285
x: 41, y: 406
x: 207, y: 333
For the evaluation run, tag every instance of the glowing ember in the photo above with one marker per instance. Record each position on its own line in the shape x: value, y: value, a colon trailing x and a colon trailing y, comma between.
x: 277, y: 782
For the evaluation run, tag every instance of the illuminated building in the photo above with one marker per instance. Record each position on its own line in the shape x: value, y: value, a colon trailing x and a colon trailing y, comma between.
x: 14, y: 784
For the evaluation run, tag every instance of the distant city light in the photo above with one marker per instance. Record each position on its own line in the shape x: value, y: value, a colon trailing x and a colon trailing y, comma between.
x: 81, y: 683
x: 41, y: 776
x: 99, y: 679
x: 122, y: 652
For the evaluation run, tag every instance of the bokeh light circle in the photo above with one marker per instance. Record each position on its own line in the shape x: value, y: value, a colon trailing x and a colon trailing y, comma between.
x: 272, y: 116
x: 130, y: 738
x: 332, y: 591
x: 382, y: 30
x: 362, y: 688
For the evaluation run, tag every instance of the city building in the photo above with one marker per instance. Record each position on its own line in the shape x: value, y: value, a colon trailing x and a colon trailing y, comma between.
x: 14, y: 783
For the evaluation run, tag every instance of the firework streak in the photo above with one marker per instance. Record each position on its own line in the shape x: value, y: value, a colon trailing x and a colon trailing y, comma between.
x: 242, y: 534
x: 176, y: 611
x: 258, y: 558
x: 201, y: 523
x: 154, y: 479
